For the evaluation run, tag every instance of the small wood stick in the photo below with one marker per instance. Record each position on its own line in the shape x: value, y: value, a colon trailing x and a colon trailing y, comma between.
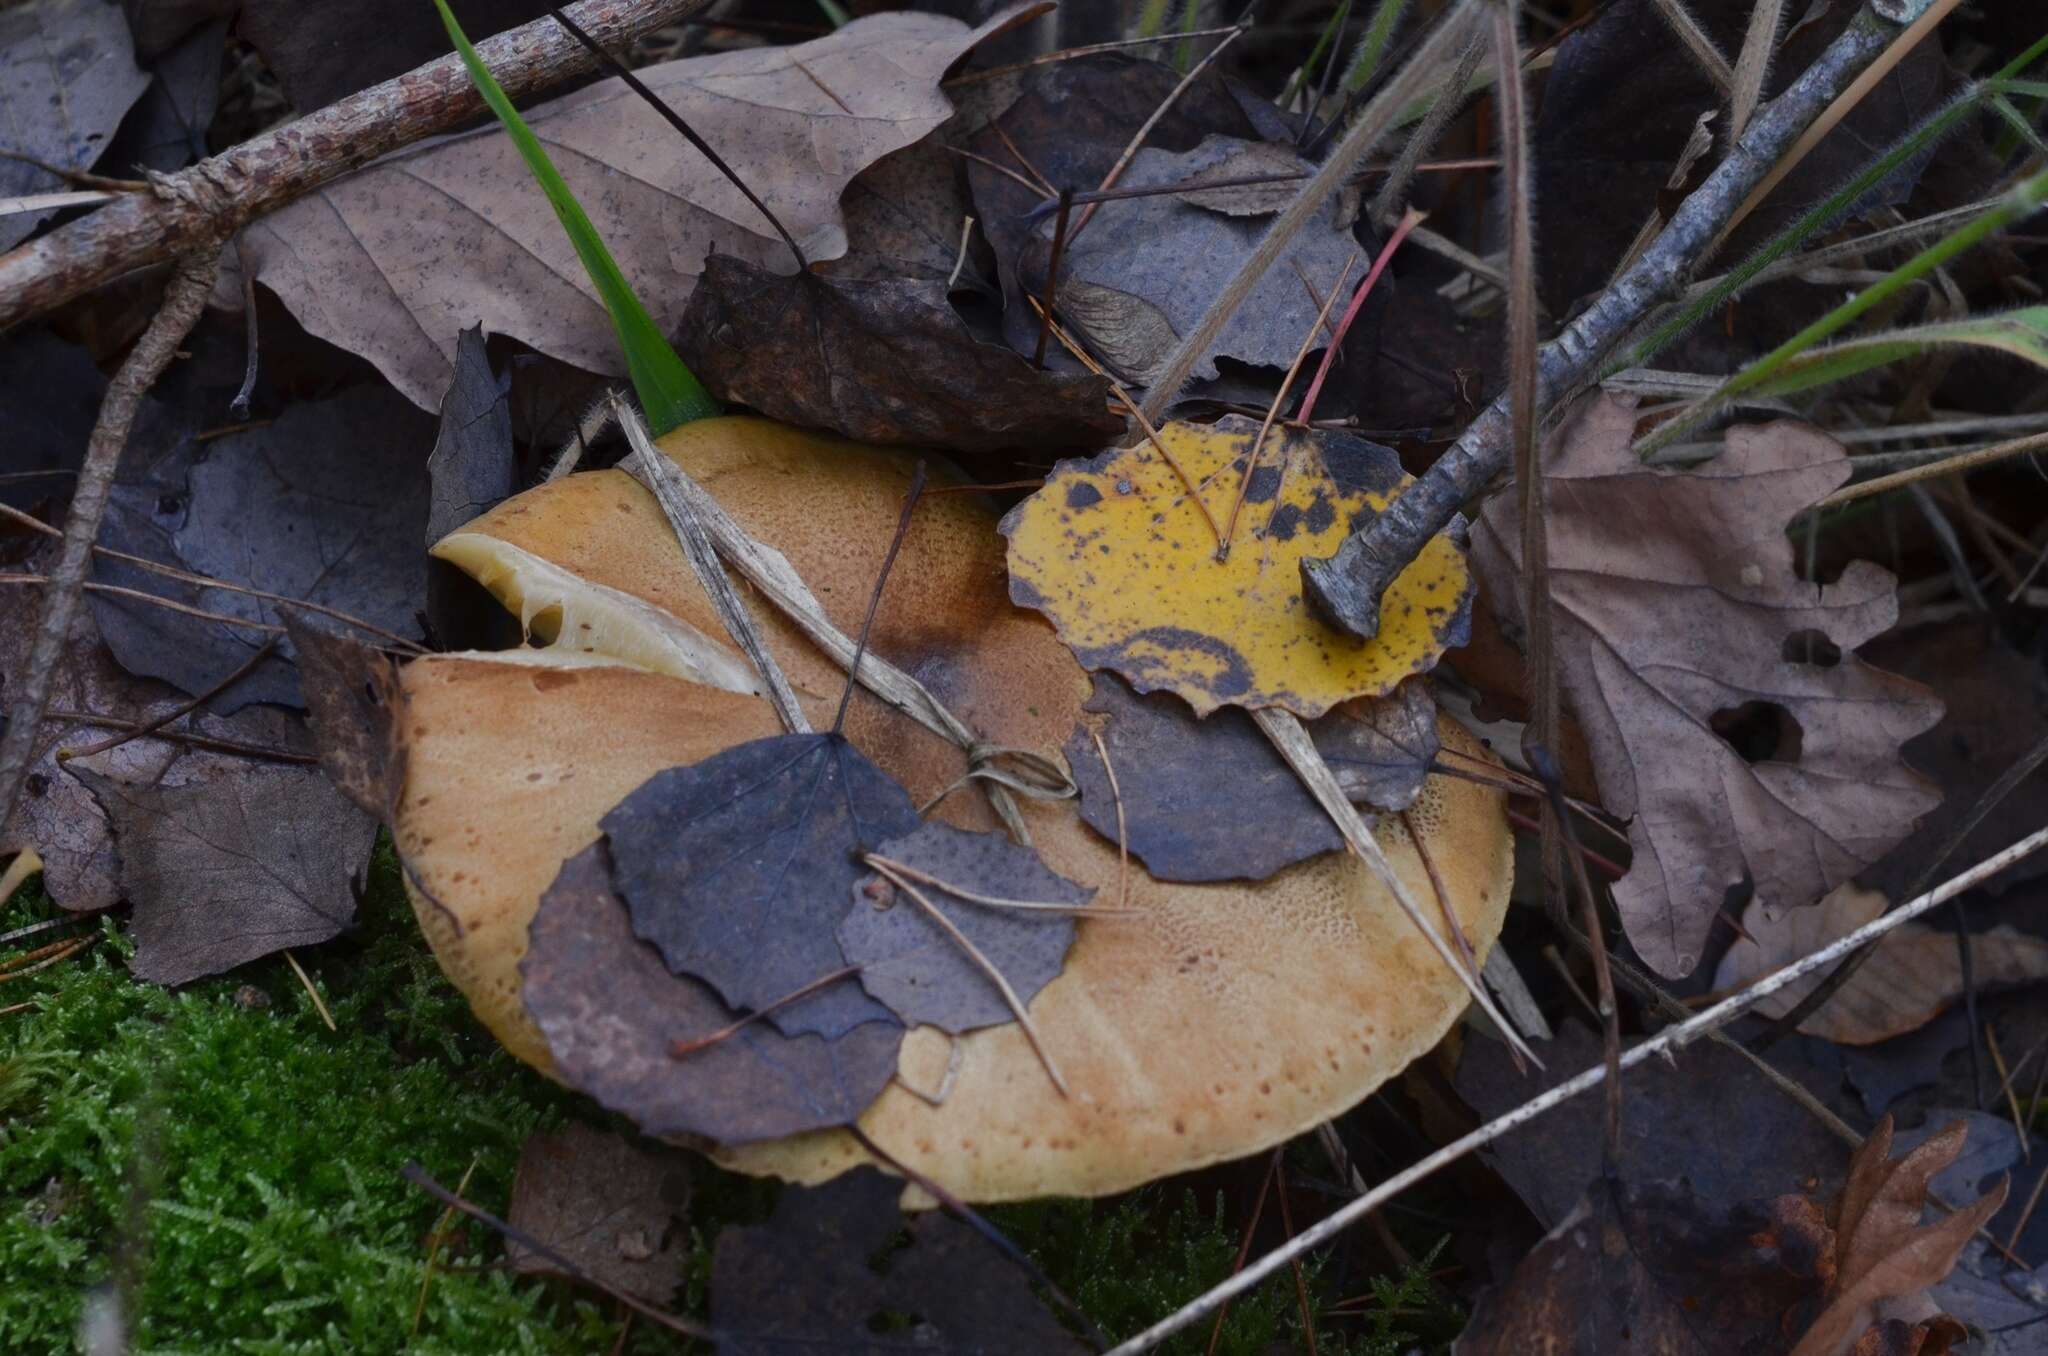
x: 995, y: 976
x: 306, y: 980
x: 1052, y: 277
x: 183, y: 708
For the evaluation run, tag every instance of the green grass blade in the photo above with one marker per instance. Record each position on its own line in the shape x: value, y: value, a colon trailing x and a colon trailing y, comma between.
x: 1930, y: 131
x: 2020, y: 202
x: 669, y: 392
x: 1373, y: 46
x: 2023, y: 333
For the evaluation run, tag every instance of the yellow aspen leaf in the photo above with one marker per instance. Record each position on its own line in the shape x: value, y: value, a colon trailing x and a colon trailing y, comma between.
x: 1124, y: 561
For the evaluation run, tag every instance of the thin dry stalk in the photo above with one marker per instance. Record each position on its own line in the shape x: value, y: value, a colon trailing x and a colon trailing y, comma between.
x: 183, y: 300
x: 1372, y: 124
x: 1123, y: 838
x: 1843, y: 105
x: 1284, y: 730
x: 306, y: 982
x: 1698, y: 43
x: 197, y: 741
x: 184, y: 708
x: 70, y: 949
x: 1450, y: 97
x: 981, y: 963
x: 1409, y: 221
x: 1130, y: 151
x: 1671, y: 1038
x: 2012, y: 1100
x: 1965, y: 461
x: 25, y: 864
x: 877, y: 860
x: 1753, y: 65
x: 681, y: 1049
x: 660, y: 475
x: 1251, y: 465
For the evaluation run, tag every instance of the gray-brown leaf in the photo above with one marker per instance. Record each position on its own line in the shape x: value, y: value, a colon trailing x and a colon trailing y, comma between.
x: 392, y: 261
x: 1675, y: 597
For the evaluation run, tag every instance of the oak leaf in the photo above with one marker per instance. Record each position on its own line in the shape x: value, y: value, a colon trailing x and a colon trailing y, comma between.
x: 1674, y: 602
x: 1913, y: 975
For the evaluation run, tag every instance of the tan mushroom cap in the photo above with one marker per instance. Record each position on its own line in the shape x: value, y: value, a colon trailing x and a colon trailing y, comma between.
x: 1224, y: 1019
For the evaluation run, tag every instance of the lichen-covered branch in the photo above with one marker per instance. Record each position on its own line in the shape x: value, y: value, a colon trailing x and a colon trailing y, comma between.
x: 202, y: 206
x: 1346, y: 588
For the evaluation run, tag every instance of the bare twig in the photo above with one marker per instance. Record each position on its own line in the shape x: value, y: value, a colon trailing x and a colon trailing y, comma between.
x: 184, y: 708
x: 194, y: 210
x: 1673, y: 1037
x: 1346, y: 588
x: 183, y: 299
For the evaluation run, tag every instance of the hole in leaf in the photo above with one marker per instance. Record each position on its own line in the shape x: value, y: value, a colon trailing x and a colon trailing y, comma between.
x: 1761, y: 732
x: 1813, y: 647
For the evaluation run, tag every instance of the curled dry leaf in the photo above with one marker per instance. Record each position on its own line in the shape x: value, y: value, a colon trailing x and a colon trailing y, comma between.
x: 235, y: 860
x: 393, y: 260
x: 1674, y: 601
x: 822, y: 1275
x: 611, y: 1015
x: 1124, y: 561
x: 1657, y: 1269
x: 1210, y: 799
x: 740, y: 868
x: 908, y: 961
x: 884, y: 360
x: 1883, y: 1252
x: 67, y: 75
x: 1914, y: 974
x: 613, y: 1207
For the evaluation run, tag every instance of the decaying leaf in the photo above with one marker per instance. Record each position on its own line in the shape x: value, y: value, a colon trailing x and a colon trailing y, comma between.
x: 612, y: 1016
x: 52, y: 392
x: 1121, y: 558
x: 1546, y: 1162
x: 909, y: 963
x: 67, y: 74
x: 611, y: 1206
x: 903, y: 220
x: 1914, y: 974
x: 392, y: 261
x: 236, y: 860
x: 1131, y: 283
x: 1246, y: 160
x: 1177, y: 258
x: 1657, y: 1269
x: 884, y: 360
x: 1210, y: 799
x: 814, y: 1278
x: 167, y: 128
x: 740, y: 867
x: 353, y: 702
x: 327, y: 504
x: 57, y: 815
x: 1883, y: 1252
x: 473, y: 464
x: 1674, y: 601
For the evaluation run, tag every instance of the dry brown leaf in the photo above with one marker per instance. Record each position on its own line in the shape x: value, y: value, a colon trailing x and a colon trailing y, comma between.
x: 1882, y: 1251
x: 394, y: 261
x: 1915, y: 973
x: 1676, y: 602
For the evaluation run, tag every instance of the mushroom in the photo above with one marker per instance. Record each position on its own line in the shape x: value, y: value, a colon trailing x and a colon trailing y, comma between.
x: 1218, y: 1020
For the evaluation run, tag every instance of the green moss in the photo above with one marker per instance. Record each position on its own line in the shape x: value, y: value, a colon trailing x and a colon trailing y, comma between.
x: 241, y: 1161
x: 259, y: 1153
